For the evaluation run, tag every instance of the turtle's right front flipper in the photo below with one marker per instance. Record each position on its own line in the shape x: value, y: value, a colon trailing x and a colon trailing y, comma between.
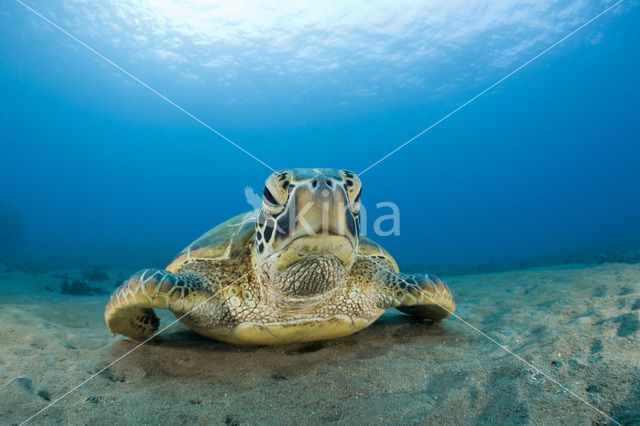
x: 130, y: 308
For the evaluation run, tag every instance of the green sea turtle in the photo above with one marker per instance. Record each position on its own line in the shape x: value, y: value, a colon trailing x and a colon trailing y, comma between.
x: 295, y: 270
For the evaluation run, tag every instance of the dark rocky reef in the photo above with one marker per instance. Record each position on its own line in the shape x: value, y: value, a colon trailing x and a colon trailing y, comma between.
x: 95, y: 275
x: 589, y: 256
x: 80, y: 288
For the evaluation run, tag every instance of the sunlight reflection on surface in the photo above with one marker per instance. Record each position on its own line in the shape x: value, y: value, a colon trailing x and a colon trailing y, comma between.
x: 395, y: 40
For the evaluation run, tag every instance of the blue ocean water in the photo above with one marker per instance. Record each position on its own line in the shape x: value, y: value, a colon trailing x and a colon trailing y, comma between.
x: 96, y: 169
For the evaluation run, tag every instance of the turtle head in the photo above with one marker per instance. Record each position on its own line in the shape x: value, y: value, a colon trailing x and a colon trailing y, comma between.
x: 307, y: 230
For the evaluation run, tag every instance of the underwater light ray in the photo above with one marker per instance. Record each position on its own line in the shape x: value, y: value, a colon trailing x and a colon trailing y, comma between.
x: 142, y: 83
x: 491, y: 87
x: 217, y: 292
x: 505, y: 348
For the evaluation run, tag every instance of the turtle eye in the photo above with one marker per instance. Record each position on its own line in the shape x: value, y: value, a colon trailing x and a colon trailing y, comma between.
x: 268, y: 196
x: 357, y: 199
x: 353, y: 187
x: 355, y: 204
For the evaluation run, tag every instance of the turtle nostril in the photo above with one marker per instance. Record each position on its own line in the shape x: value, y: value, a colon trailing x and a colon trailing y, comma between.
x: 329, y: 183
x: 314, y: 183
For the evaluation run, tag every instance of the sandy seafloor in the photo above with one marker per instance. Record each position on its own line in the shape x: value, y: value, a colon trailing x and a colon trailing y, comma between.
x: 577, y: 323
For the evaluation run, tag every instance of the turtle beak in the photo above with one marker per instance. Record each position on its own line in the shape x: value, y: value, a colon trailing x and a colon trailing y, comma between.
x: 319, y: 206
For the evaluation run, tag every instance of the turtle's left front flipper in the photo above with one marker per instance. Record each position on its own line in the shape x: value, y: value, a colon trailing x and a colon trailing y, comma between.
x: 420, y: 295
x: 130, y: 308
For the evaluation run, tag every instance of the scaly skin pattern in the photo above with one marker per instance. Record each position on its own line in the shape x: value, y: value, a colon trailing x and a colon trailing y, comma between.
x: 196, y: 288
x: 223, y: 300
x: 295, y: 270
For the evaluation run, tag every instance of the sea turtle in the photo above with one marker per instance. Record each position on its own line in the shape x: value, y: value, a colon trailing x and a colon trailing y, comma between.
x: 295, y: 270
